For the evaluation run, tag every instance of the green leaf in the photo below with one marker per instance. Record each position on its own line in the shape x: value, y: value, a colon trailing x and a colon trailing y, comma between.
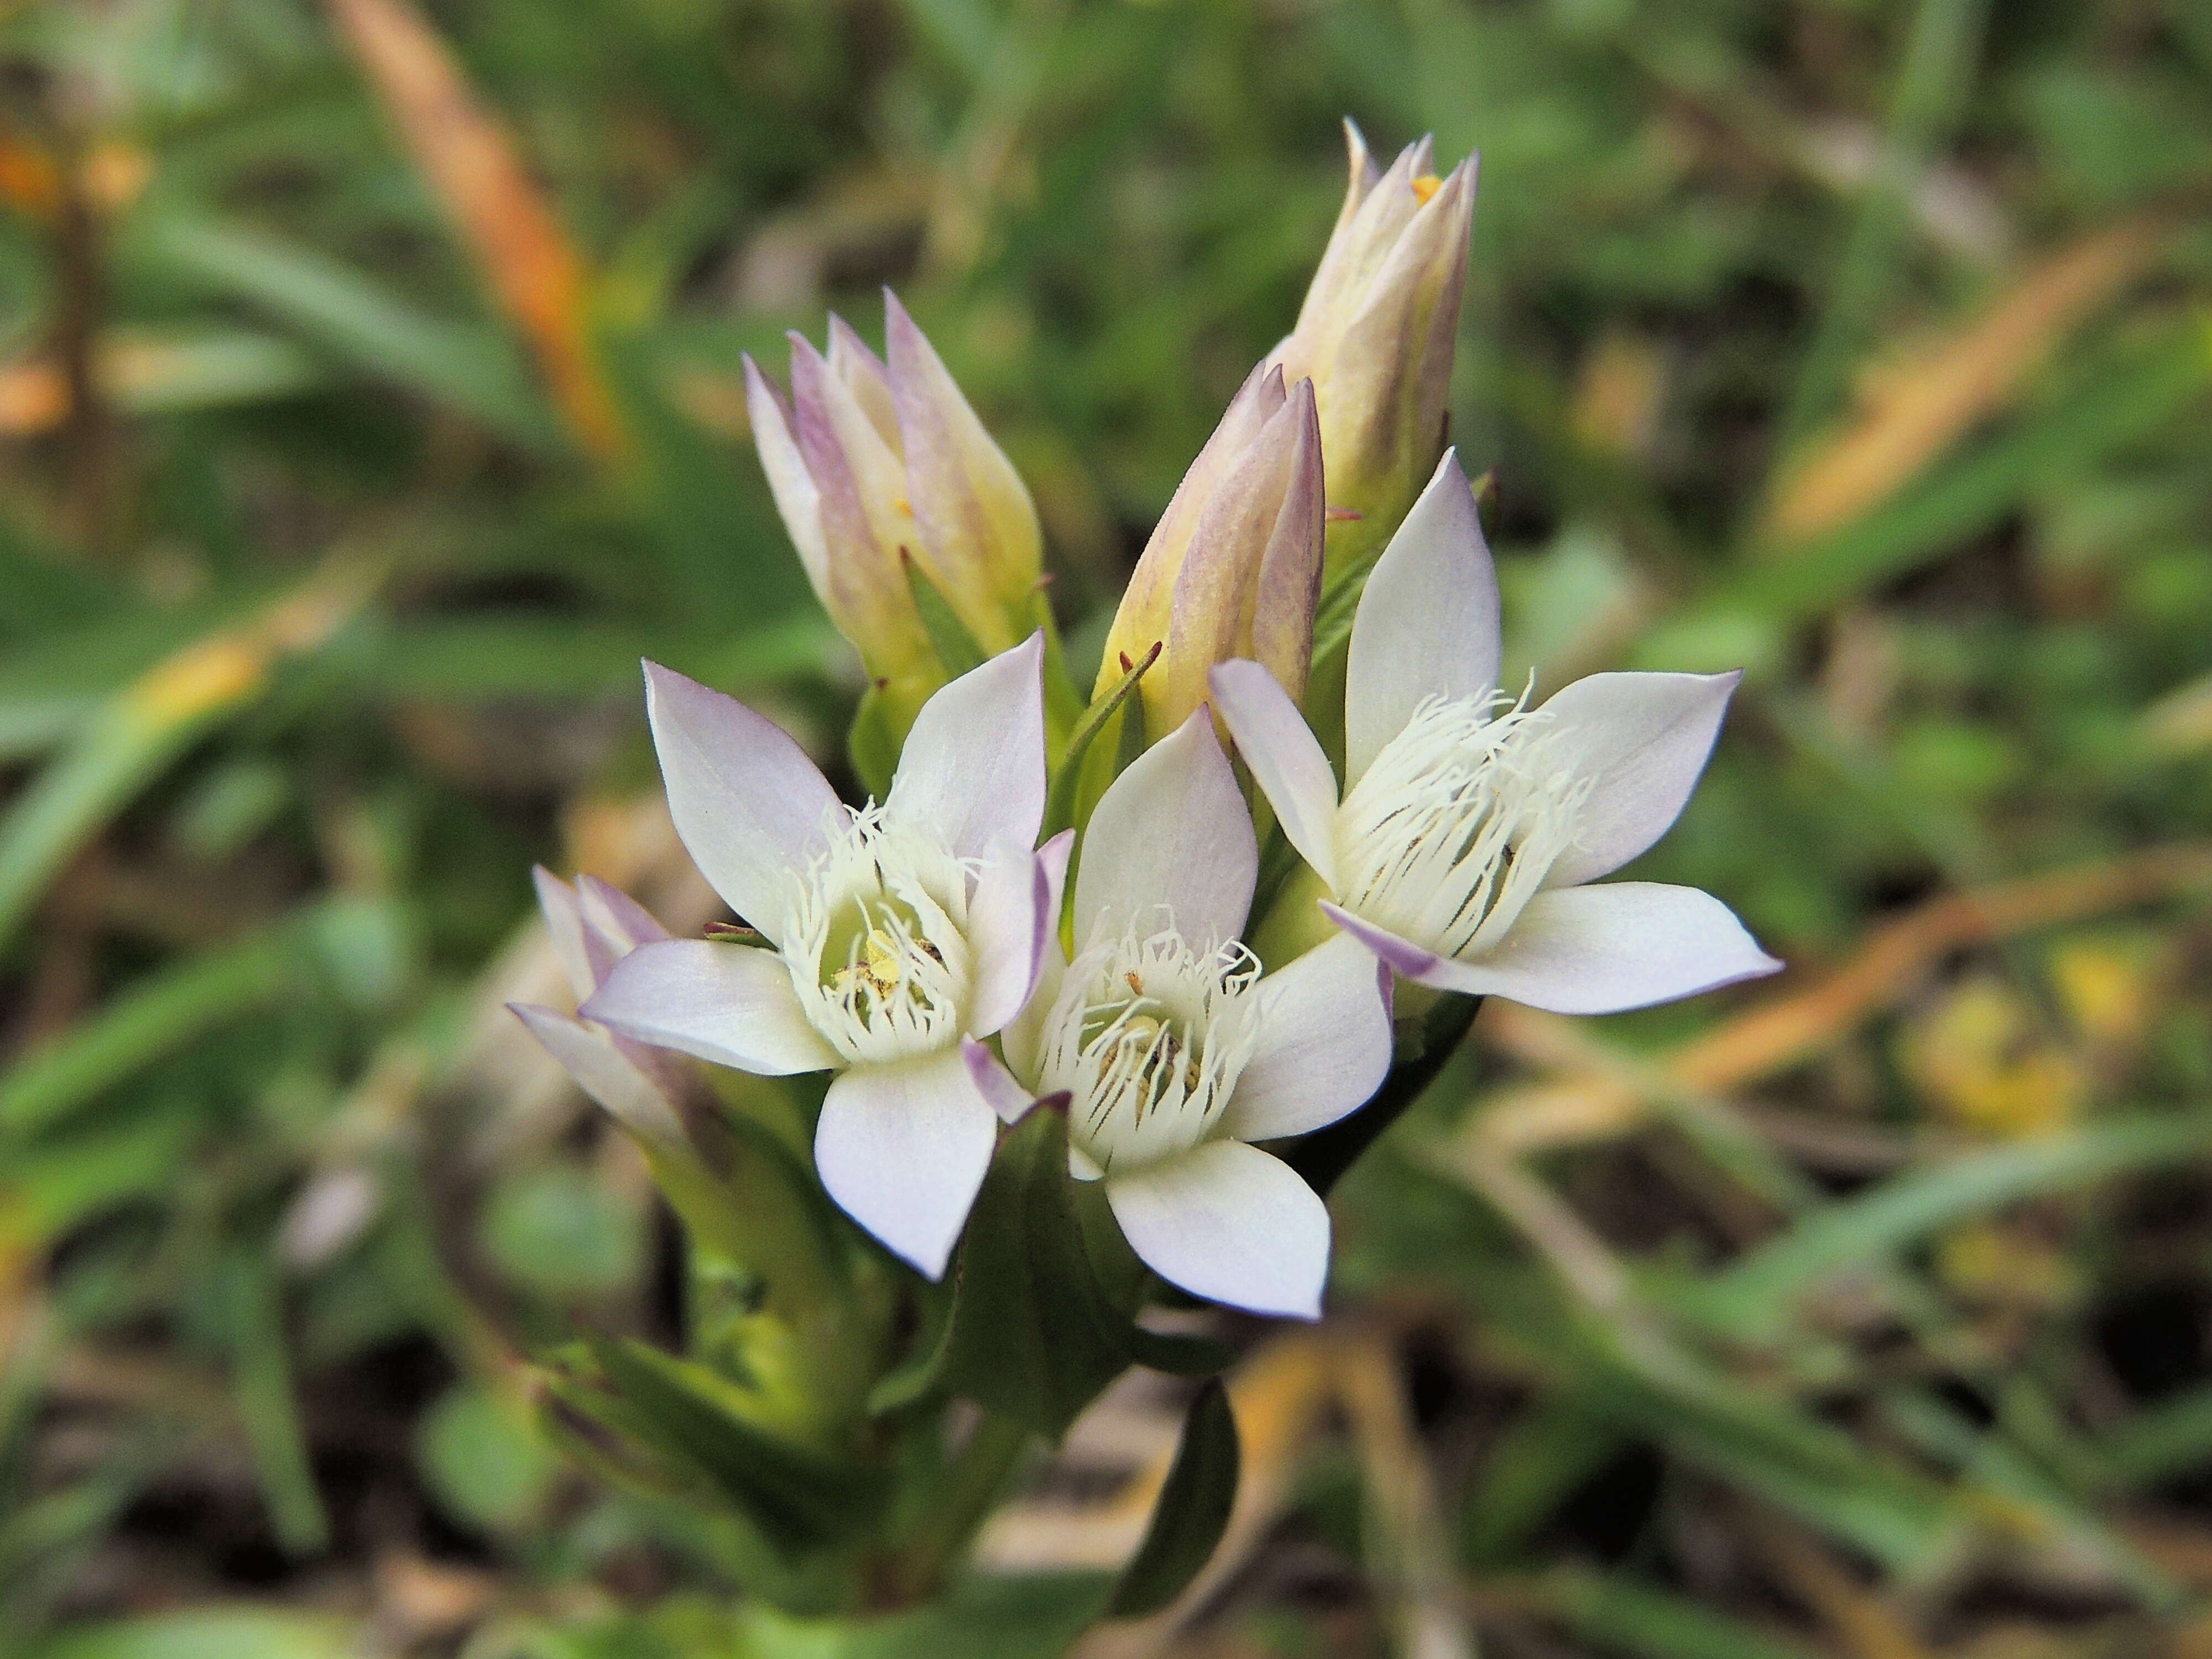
x: 487, y: 1463
x: 1033, y: 1616
x: 1192, y: 1510
x: 1034, y: 1337
x: 156, y: 1016
x: 207, y: 1633
x: 1653, y: 1623
x: 800, y: 1498
x: 1061, y: 802
x: 468, y: 368
x: 1753, y: 1295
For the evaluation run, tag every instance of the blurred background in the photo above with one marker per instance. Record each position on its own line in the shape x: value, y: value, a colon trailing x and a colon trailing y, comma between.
x: 370, y: 402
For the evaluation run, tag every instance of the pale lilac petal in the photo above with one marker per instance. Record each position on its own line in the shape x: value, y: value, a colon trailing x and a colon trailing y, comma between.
x: 998, y: 1086
x: 1172, y: 831
x: 796, y: 497
x: 609, y: 1076
x: 1642, y: 739
x: 973, y: 769
x: 1600, y: 950
x: 1228, y: 1223
x: 902, y: 1148
x: 619, y: 920
x: 971, y: 506
x: 1008, y: 921
x: 1427, y: 624
x: 865, y: 376
x: 1324, y: 1046
x: 1285, y: 758
x: 1401, y: 956
x: 752, y: 809
x: 731, y: 1004
x: 564, y: 924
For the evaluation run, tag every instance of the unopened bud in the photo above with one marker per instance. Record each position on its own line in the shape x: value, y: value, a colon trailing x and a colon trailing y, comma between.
x: 1233, y: 568
x: 1376, y: 336
x: 879, y: 467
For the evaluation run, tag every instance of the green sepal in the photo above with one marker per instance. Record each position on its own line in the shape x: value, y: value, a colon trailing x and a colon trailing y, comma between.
x: 799, y: 1497
x: 1192, y: 1510
x: 1322, y: 1157
x: 1063, y: 800
x: 1035, y: 1336
x: 872, y: 744
x: 955, y: 647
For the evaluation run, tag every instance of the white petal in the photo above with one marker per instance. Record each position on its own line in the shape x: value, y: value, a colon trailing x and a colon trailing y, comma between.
x: 796, y: 497
x: 1228, y: 1223
x: 973, y: 768
x: 1599, y: 949
x: 1020, y: 1035
x: 1009, y: 918
x: 903, y: 1149
x: 1024, y: 1034
x: 1642, y: 739
x: 1324, y: 1045
x: 1427, y: 624
x: 1285, y: 758
x: 749, y: 805
x: 731, y: 1004
x: 602, y: 1070
x: 564, y: 924
x: 1171, y: 830
x: 998, y: 1086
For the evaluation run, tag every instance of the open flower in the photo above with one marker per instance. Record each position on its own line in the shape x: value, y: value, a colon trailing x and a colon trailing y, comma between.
x: 593, y: 926
x: 1376, y: 335
x: 1175, y: 1053
x: 892, y: 932
x: 1233, y: 568
x: 872, y: 464
x: 1459, y: 852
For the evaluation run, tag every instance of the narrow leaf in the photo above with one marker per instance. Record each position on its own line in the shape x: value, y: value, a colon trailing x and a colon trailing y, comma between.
x: 1192, y: 1511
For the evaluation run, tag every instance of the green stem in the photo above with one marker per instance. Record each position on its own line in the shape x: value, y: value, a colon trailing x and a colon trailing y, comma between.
x: 972, y: 1486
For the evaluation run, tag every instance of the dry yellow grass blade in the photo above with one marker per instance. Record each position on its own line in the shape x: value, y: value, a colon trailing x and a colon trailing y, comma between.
x: 1924, y: 404
x: 471, y: 164
x: 1605, y: 1096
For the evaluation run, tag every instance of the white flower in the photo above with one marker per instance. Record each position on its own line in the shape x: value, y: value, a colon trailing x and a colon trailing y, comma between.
x: 593, y: 926
x: 896, y: 931
x: 1459, y: 852
x: 1175, y: 1053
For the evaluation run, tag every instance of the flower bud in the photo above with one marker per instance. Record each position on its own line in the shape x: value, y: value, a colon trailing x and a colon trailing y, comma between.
x: 1233, y: 568
x: 1376, y: 336
x: 874, y: 465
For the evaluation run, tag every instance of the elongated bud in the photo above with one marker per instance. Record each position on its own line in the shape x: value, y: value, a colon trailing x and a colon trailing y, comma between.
x: 878, y: 465
x: 1376, y: 336
x: 1234, y: 567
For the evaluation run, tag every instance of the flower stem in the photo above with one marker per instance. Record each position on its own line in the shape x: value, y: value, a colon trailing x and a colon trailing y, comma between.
x: 972, y: 1484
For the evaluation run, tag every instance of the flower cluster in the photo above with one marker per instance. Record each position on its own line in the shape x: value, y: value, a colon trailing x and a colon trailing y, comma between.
x: 931, y: 952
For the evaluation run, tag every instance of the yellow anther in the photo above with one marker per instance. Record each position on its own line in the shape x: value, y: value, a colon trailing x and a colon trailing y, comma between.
x: 1427, y: 185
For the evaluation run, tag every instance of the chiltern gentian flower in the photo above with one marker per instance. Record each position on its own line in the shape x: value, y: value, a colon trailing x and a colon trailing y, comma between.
x: 1233, y: 568
x: 1376, y: 336
x: 892, y: 932
x: 1175, y: 1053
x: 1458, y: 852
x: 593, y: 926
x: 873, y: 463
